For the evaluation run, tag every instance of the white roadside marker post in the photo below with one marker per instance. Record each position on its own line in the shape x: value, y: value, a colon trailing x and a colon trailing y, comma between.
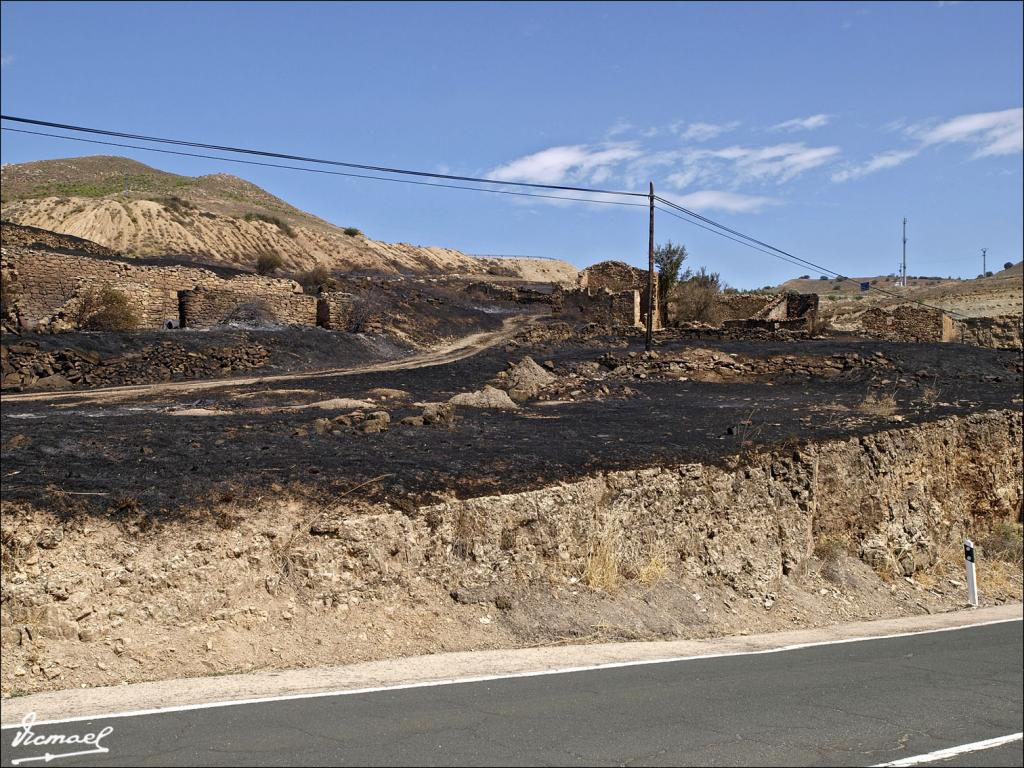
x: 972, y: 582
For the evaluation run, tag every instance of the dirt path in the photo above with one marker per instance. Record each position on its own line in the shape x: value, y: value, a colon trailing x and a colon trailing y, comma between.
x: 459, y: 349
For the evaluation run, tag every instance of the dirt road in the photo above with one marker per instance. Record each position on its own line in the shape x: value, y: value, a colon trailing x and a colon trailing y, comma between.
x: 459, y: 349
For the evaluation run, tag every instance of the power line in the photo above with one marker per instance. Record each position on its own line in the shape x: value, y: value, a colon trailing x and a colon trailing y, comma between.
x: 748, y: 238
x: 778, y: 253
x: 727, y: 237
x: 694, y: 218
x: 322, y: 171
x: 279, y: 155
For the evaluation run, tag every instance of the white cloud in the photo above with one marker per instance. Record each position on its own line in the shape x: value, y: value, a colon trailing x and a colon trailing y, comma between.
x: 620, y: 127
x: 716, y: 200
x: 879, y: 162
x: 5, y: 59
x: 779, y: 162
x: 702, y: 131
x: 803, y: 123
x: 702, y: 177
x: 996, y: 133
x: 559, y: 165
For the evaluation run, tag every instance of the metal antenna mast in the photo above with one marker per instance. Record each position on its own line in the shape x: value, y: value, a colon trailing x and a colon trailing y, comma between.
x: 903, y: 271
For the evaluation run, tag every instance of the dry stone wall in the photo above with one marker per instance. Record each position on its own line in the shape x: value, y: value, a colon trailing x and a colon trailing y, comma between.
x: 1002, y: 332
x: 740, y: 306
x: 210, y: 307
x: 617, y: 277
x: 47, y: 284
x: 908, y: 323
x: 334, y: 310
x: 621, y: 309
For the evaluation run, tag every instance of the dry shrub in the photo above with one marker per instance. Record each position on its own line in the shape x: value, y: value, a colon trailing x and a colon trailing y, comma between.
x: 1005, y: 542
x: 654, y: 570
x: 255, y: 313
x: 268, y: 262
x: 878, y: 405
x: 317, y: 277
x: 694, y: 297
x: 929, y: 395
x: 999, y: 559
x: 830, y: 549
x: 368, y: 307
x: 601, y: 570
x: 104, y: 309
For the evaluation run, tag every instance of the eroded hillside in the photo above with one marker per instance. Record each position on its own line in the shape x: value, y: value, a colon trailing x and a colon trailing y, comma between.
x: 217, y: 219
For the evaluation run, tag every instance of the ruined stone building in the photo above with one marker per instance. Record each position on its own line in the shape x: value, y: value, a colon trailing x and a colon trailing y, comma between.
x: 615, y: 293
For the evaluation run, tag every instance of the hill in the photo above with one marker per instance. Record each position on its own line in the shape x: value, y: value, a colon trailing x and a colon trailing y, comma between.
x: 999, y: 294
x: 218, y: 219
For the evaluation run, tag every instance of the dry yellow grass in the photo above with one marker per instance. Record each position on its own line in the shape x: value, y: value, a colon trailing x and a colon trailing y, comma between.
x: 878, y: 405
x: 601, y: 570
x: 653, y: 571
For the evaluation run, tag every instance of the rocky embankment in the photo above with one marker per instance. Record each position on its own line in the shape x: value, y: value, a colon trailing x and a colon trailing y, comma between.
x: 802, y: 535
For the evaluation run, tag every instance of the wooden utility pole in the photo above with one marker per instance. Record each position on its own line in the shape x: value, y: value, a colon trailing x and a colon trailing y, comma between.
x: 650, y: 277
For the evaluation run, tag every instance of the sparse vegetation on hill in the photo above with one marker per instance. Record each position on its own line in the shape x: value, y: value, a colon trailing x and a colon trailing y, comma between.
x: 352, y: 232
x: 282, y: 225
x: 177, y: 204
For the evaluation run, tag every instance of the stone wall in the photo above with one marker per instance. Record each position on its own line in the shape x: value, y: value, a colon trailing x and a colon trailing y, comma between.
x: 621, y: 309
x: 616, y: 277
x: 908, y: 322
x: 48, y: 284
x: 334, y: 310
x: 740, y: 306
x: 793, y: 311
x: 1002, y: 332
x: 209, y: 307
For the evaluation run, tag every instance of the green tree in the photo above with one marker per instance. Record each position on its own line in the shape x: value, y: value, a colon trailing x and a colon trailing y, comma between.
x: 669, y: 258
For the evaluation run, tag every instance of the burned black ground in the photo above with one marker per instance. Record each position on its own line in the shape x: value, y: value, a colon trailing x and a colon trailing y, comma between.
x: 135, y: 453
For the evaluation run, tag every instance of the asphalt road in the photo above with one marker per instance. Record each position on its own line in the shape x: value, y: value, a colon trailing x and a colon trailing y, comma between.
x: 859, y: 703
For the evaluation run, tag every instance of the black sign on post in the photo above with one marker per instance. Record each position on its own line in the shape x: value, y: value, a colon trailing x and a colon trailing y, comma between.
x: 969, y: 552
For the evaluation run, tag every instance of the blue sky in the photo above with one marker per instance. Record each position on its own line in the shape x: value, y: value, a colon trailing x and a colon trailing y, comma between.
x: 815, y: 127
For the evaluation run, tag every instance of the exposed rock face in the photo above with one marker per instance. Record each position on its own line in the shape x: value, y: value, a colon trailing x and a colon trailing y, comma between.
x: 897, y: 494
x: 111, y: 593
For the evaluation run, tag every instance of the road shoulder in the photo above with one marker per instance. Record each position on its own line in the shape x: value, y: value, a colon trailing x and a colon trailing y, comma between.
x: 452, y: 668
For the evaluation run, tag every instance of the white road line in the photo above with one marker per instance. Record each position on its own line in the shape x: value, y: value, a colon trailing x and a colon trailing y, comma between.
x: 505, y: 676
x: 945, y: 754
